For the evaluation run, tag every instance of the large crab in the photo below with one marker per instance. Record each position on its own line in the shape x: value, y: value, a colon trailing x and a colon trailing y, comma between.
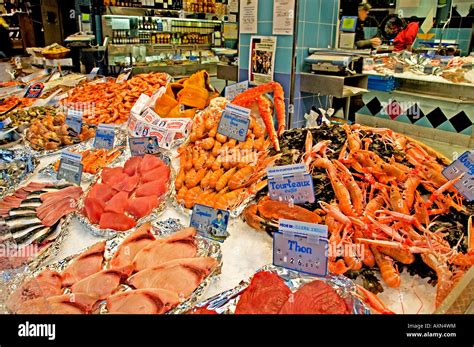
x: 257, y: 96
x: 265, y: 214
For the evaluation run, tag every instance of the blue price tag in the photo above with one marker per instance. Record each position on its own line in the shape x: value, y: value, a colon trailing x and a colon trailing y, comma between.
x: 290, y: 183
x: 5, y: 123
x: 70, y: 167
x: 301, y: 247
x: 235, y: 89
x: 74, y: 120
x: 464, y: 164
x: 139, y: 146
x: 235, y: 122
x: 34, y: 90
x: 105, y: 136
x: 210, y: 223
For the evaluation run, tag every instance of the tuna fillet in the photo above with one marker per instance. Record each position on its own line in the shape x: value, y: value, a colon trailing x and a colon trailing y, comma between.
x: 141, y: 207
x: 156, y: 174
x: 84, y: 265
x: 148, y: 163
x: 109, y: 175
x: 315, y: 298
x: 116, y: 221
x: 118, y: 203
x: 131, y: 246
x: 131, y: 166
x: 157, y: 188
x: 47, y: 283
x: 102, y: 284
x: 143, y: 301
x: 127, y: 184
x: 181, y: 277
x: 266, y: 294
x: 101, y: 192
x: 93, y: 209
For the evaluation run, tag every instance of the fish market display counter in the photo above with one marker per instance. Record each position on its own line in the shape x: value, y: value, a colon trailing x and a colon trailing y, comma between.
x: 427, y: 101
x: 415, y: 295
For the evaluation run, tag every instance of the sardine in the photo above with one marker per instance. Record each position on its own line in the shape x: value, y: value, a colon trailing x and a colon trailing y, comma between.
x: 33, y: 236
x: 20, y: 211
x: 25, y: 219
x: 22, y: 229
x: 36, y: 194
x: 56, y: 188
x: 55, y: 231
x: 35, y: 202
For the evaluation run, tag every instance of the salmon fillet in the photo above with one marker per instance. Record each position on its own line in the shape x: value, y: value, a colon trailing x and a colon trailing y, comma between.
x: 131, y: 246
x: 84, y: 265
x: 143, y: 301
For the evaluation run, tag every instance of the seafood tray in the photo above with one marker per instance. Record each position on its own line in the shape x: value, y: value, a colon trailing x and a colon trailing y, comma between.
x: 9, y: 139
x: 378, y: 163
x: 42, y: 257
x: 120, y: 142
x: 15, y: 167
x: 22, y: 118
x: 226, y: 302
x: 205, y: 248
x: 220, y: 171
x: 95, y: 230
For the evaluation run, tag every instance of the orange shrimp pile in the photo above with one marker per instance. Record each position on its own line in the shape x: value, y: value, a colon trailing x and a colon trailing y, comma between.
x: 94, y: 160
x: 11, y: 101
x: 218, y: 171
x: 110, y: 102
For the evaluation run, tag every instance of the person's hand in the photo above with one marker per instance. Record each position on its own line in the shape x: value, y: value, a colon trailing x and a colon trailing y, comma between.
x: 375, y: 42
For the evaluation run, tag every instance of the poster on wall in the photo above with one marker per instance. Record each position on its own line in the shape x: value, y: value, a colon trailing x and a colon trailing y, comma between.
x: 262, y: 59
x: 248, y: 16
x: 283, y: 16
x: 233, y: 6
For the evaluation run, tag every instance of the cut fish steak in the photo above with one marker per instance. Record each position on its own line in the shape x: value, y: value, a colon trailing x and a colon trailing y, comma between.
x: 47, y: 283
x: 315, y: 298
x: 78, y: 303
x: 143, y: 301
x: 266, y: 294
x: 84, y: 265
x: 102, y: 284
x: 181, y: 276
x: 131, y: 246
x: 179, y: 245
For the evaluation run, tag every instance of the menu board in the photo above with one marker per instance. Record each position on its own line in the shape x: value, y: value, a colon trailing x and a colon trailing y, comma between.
x: 283, y: 17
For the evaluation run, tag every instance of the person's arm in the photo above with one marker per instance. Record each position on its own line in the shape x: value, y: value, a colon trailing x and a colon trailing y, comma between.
x: 361, y: 44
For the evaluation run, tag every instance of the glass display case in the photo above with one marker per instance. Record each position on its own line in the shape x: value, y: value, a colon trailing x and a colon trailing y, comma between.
x: 179, y: 46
